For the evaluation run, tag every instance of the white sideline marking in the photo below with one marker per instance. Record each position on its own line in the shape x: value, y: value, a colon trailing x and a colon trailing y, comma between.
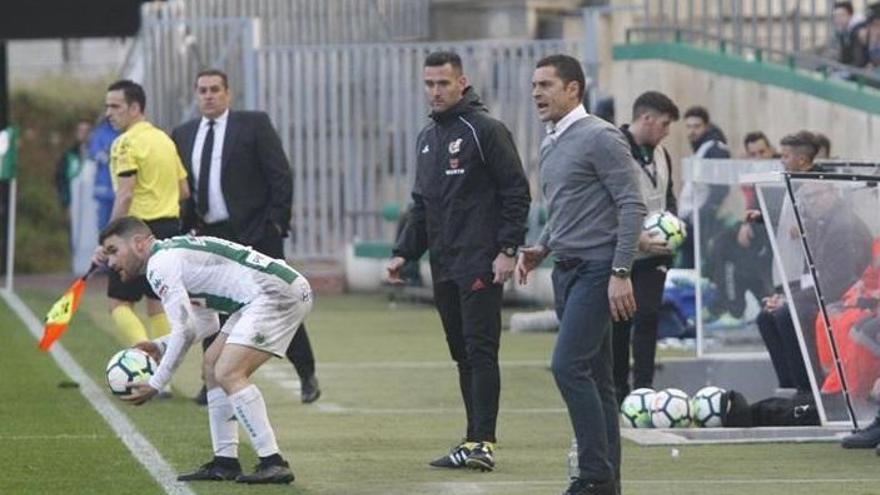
x: 60, y: 436
x: 139, y: 446
x: 423, y: 365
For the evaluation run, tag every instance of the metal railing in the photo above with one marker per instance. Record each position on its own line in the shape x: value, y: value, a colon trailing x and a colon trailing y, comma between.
x: 786, y: 25
x: 829, y: 68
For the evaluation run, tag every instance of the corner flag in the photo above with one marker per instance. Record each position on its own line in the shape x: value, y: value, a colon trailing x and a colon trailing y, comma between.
x: 8, y: 152
x: 62, y: 311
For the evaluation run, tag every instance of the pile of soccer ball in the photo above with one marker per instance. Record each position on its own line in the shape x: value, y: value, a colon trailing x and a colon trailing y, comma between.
x: 672, y: 408
x: 127, y: 367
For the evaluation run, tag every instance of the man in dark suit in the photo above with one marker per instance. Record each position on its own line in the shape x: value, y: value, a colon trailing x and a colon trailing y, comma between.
x: 241, y: 176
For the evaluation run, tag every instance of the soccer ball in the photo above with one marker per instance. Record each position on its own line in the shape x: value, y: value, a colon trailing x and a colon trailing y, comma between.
x: 667, y: 226
x: 706, y: 407
x: 635, y: 410
x: 671, y: 408
x: 129, y: 366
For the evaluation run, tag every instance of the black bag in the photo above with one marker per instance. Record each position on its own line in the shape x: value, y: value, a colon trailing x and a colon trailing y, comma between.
x: 799, y: 410
x: 735, y: 411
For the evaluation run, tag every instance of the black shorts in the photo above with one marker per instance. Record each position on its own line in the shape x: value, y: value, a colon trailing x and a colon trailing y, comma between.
x: 134, y: 290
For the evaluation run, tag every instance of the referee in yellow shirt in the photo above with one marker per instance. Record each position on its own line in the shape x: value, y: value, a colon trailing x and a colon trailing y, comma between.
x: 149, y: 182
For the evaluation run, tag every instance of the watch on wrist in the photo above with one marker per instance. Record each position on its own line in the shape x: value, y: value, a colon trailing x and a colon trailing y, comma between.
x: 620, y: 272
x: 510, y: 252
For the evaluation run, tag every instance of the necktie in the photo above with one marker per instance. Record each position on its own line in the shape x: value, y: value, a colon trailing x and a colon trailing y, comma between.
x: 205, y: 170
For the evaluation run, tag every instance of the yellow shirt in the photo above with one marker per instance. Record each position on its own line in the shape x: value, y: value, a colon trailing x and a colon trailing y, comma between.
x: 152, y: 156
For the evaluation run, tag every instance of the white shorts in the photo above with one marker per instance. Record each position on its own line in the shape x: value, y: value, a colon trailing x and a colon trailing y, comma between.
x: 269, y: 322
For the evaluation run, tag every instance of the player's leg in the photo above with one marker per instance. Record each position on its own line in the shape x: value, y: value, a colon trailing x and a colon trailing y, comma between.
x: 264, y: 328
x: 447, y: 301
x: 222, y: 423
x: 481, y: 326
x: 648, y: 290
x: 232, y: 371
x: 300, y: 354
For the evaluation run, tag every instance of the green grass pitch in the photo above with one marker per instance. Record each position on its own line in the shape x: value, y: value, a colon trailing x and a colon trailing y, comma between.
x: 390, y: 405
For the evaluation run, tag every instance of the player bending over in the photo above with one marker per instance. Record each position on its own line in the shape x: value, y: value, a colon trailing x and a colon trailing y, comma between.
x: 196, y: 278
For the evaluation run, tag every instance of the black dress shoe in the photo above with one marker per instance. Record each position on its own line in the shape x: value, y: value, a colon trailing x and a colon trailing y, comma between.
x: 581, y: 486
x: 309, y: 390
x: 275, y: 473
x: 214, y: 471
x: 866, y: 438
x: 202, y: 397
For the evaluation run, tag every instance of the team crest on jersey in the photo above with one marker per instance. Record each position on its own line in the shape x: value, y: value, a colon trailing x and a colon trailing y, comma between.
x: 258, y: 339
x: 159, y: 287
x: 455, y: 147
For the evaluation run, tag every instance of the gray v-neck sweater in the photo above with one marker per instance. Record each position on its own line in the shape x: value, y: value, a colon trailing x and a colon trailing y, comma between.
x: 591, y: 189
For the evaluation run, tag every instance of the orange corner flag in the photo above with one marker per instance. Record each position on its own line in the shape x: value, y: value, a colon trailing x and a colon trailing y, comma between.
x: 62, y: 311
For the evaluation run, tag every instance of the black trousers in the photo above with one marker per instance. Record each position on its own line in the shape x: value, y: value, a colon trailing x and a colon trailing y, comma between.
x: 299, y: 352
x: 777, y: 331
x: 470, y: 310
x: 648, y: 278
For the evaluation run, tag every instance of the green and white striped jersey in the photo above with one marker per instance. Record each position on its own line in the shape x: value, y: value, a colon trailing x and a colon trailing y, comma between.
x: 194, y: 276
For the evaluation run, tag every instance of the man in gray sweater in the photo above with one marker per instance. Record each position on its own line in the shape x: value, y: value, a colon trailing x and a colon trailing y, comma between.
x: 590, y: 185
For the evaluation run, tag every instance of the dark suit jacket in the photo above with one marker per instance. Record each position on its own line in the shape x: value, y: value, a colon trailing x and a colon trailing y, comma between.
x: 255, y: 175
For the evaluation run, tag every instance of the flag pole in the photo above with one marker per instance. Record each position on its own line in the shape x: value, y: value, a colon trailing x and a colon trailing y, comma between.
x: 10, y: 233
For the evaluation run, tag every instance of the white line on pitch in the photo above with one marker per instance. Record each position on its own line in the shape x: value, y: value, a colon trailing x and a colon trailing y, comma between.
x: 60, y: 436
x: 139, y: 446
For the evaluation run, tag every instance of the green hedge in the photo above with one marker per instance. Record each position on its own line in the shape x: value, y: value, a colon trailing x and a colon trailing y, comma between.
x: 46, y: 111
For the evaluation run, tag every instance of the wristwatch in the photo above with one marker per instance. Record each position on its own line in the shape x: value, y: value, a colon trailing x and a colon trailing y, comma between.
x: 510, y: 252
x: 620, y: 272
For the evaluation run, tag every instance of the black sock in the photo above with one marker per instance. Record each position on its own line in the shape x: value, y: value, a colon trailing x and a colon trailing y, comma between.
x: 272, y: 460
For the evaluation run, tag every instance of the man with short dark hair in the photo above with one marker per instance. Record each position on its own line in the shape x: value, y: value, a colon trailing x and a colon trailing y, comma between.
x: 757, y: 146
x: 707, y: 141
x: 595, y: 211
x: 197, y: 278
x: 149, y: 182
x: 851, y: 50
x: 653, y: 112
x: 244, y: 191
x: 471, y: 199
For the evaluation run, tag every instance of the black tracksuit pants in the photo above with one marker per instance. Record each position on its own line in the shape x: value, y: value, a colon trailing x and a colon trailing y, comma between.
x: 470, y: 310
x: 648, y: 277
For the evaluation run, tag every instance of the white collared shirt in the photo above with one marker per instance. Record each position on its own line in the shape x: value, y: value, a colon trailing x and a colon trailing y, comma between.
x: 217, y: 211
x: 556, y: 130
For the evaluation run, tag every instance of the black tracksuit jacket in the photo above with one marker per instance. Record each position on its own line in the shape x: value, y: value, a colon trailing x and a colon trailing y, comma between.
x: 470, y: 197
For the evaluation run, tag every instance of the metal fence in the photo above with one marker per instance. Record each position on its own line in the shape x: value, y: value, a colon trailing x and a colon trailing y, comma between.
x: 785, y: 25
x: 324, y: 21
x: 178, y: 38
x: 349, y: 116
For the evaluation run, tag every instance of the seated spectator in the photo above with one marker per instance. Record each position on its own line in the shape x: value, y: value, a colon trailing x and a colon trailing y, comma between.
x: 851, y: 48
x: 870, y: 36
x: 837, y: 238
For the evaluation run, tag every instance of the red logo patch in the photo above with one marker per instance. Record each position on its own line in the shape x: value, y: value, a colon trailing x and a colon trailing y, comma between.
x: 478, y: 285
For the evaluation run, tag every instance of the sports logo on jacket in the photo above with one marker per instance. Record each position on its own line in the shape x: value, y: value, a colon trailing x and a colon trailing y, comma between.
x: 454, y: 149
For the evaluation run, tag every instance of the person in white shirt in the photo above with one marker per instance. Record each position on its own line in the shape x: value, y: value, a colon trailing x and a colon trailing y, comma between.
x: 197, y: 278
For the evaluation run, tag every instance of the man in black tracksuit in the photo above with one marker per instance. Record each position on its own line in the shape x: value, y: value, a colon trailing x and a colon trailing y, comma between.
x: 471, y: 199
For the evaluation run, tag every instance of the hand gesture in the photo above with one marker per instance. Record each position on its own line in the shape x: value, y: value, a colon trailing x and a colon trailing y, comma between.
x: 392, y: 270
x: 529, y: 259
x: 503, y: 267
